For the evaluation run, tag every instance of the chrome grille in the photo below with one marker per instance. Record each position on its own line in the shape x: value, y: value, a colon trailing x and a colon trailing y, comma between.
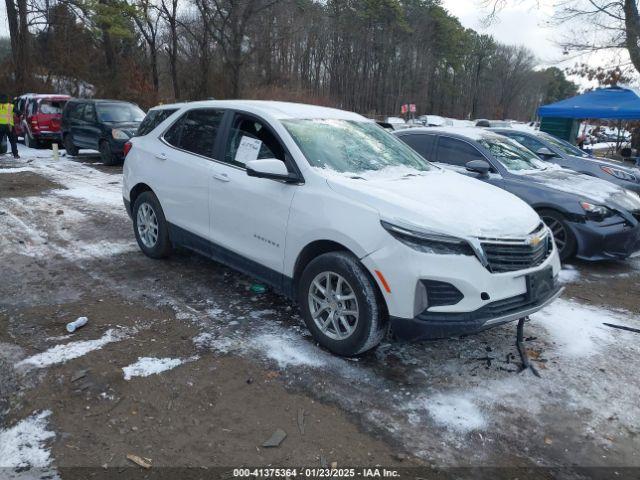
x: 508, y: 255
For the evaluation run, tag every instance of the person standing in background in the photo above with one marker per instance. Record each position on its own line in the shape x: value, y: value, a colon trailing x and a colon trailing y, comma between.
x: 6, y: 124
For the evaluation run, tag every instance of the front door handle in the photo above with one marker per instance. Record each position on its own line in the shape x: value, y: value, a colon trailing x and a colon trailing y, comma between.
x: 223, y: 177
x: 161, y: 156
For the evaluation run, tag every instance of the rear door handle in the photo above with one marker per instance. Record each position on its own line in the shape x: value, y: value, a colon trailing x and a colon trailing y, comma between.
x: 161, y: 156
x: 223, y: 177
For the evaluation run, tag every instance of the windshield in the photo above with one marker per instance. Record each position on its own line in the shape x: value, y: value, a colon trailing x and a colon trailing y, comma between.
x: 563, y: 146
x: 511, y: 154
x: 350, y: 146
x: 119, y: 112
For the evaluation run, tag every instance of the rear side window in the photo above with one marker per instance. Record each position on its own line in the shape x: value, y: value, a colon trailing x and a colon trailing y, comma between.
x: 89, y: 114
x: 531, y: 143
x: 153, y: 119
x: 421, y: 143
x: 74, y: 110
x: 456, y: 152
x: 51, y: 107
x: 196, y: 131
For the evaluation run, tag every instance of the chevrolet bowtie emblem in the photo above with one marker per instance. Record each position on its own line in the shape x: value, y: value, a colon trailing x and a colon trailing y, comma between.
x: 534, y: 240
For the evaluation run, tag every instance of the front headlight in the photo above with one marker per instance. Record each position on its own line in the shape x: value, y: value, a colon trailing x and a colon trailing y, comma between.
x: 597, y: 211
x: 429, y: 242
x: 620, y: 174
x: 118, y: 134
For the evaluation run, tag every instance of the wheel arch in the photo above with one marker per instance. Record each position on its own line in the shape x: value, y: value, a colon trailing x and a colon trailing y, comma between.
x: 320, y: 247
x: 138, y: 189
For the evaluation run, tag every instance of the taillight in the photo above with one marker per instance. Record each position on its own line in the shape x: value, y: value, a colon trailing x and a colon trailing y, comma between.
x: 34, y: 123
x: 127, y: 147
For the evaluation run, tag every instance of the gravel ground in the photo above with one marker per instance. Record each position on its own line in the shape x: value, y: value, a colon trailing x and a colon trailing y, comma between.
x: 182, y: 365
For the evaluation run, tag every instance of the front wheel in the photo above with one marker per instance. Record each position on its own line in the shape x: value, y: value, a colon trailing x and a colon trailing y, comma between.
x: 69, y: 146
x: 341, y: 305
x: 150, y: 227
x: 107, y: 156
x: 562, y: 235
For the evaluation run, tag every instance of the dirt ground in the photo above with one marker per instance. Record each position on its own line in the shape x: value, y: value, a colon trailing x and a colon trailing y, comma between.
x: 244, y: 366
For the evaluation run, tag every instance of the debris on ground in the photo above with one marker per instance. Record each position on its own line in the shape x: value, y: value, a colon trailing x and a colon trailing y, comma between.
x: 258, y: 288
x: 276, y: 439
x: 526, y: 364
x: 76, y: 324
x: 622, y: 327
x: 80, y: 374
x: 300, y: 418
x: 141, y: 462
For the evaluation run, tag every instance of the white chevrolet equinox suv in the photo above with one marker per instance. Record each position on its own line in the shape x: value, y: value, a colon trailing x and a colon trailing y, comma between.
x: 334, y: 212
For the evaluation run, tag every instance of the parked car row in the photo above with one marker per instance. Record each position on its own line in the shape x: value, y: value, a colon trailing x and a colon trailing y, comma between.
x: 103, y: 125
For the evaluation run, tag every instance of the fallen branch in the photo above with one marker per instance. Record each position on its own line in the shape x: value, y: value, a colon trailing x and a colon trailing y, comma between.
x: 526, y: 364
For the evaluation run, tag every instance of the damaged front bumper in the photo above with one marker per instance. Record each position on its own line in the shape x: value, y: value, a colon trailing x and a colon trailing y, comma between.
x: 434, y: 325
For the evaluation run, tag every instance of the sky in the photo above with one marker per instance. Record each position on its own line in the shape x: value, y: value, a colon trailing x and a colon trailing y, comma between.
x: 526, y: 22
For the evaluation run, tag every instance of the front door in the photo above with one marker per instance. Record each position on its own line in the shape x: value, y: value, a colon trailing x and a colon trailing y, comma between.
x: 250, y: 215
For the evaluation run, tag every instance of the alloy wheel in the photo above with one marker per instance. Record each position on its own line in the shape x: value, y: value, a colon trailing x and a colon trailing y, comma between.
x: 558, y: 230
x: 333, y: 305
x: 147, y: 223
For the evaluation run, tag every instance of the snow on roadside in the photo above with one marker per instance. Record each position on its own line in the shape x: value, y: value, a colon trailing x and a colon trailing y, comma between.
x: 577, y: 329
x: 146, y: 366
x: 288, y: 351
x: 569, y: 274
x: 69, y: 351
x: 24, y: 446
x: 455, y: 412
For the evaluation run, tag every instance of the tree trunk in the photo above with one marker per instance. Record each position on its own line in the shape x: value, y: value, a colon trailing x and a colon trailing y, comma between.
x: 632, y: 27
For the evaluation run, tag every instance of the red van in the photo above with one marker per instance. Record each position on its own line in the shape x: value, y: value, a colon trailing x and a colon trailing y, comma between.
x: 37, y: 118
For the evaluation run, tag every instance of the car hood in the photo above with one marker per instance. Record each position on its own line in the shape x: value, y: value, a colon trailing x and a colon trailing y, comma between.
x: 129, y: 127
x: 439, y: 201
x: 585, y: 187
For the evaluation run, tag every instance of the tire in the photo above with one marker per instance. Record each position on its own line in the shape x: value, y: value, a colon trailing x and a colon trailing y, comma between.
x: 146, y: 209
x: 355, y: 334
x: 562, y: 234
x: 70, y: 148
x: 108, y: 158
x: 29, y: 141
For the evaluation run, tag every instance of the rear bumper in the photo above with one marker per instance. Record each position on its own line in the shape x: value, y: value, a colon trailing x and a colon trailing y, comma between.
x: 430, y: 326
x: 48, y: 136
x: 605, y: 243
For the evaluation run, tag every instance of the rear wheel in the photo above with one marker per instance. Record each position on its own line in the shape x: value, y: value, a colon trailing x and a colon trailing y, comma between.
x: 341, y: 305
x: 107, y: 156
x: 562, y: 234
x: 150, y: 227
x: 29, y: 141
x: 69, y: 146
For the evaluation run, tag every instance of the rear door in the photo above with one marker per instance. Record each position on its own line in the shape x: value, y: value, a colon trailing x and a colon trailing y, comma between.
x: 49, y: 114
x: 180, y: 168
x: 249, y: 215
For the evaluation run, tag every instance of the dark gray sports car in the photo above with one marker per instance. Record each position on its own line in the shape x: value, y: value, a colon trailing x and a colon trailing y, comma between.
x: 560, y: 152
x: 590, y: 218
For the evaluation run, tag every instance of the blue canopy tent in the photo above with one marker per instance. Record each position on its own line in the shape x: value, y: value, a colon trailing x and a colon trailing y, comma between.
x: 614, y: 103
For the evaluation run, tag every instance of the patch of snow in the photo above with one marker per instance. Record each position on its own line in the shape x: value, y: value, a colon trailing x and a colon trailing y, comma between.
x: 23, y: 446
x: 219, y: 344
x: 456, y: 412
x: 576, y: 328
x: 71, y: 350
x: 569, y: 274
x: 288, y: 351
x: 146, y: 366
x: 15, y: 170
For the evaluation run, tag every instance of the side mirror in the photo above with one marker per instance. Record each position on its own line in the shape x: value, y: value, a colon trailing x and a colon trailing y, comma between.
x: 479, y: 166
x: 545, y: 153
x: 270, y: 168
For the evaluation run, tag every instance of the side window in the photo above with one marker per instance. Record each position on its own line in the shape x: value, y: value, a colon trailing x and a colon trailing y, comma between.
x: 89, y: 114
x: 421, y: 143
x: 196, y: 131
x: 531, y: 143
x: 250, y: 139
x: 75, y: 111
x: 32, y: 107
x: 456, y: 152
